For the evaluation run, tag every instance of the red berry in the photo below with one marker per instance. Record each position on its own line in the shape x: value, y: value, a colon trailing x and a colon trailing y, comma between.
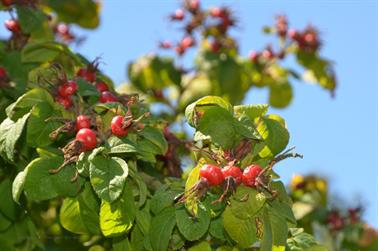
x: 194, y: 4
x: 65, y: 101
x: 62, y: 29
x: 101, y: 86
x: 250, y: 174
x: 180, y: 50
x: 86, y: 74
x: 267, y: 54
x: 293, y: 34
x: 335, y: 220
x: 215, y: 46
x: 165, y: 44
x: 233, y: 171
x: 253, y: 56
x: 7, y: 2
x: 212, y: 174
x: 187, y: 42
x: 3, y: 72
x: 117, y: 126
x: 82, y: 121
x: 67, y: 89
x: 13, y: 25
x: 107, y: 96
x: 87, y: 138
x: 178, y: 15
x: 216, y: 12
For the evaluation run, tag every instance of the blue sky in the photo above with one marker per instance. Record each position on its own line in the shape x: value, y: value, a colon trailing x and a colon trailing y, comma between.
x: 338, y: 137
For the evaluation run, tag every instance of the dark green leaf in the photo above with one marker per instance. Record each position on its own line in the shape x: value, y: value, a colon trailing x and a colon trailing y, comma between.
x: 161, y: 229
x: 192, y: 228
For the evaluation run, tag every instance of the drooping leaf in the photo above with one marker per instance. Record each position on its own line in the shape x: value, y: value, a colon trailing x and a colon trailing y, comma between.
x: 10, y: 132
x: 117, y: 218
x: 108, y: 176
x: 243, y: 232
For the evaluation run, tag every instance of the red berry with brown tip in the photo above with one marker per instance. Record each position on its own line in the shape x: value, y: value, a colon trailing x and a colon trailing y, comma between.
x: 87, y: 138
x: 86, y: 74
x: 82, y: 121
x: 13, y: 25
x: 212, y: 174
x: 233, y: 171
x: 101, y: 86
x: 215, y: 46
x: 65, y: 101
x: 67, y: 89
x: 117, y: 126
x: 250, y: 174
x: 107, y: 96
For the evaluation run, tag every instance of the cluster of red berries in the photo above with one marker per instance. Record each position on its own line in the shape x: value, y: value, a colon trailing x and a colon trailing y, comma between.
x: 264, y: 56
x: 68, y: 88
x: 87, y: 136
x: 198, y: 21
x: 307, y: 40
x: 216, y: 176
x: 337, y: 222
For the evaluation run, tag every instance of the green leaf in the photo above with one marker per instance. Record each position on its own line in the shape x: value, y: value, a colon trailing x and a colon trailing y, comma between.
x: 89, y: 209
x: 41, y: 185
x: 280, y: 94
x: 300, y: 240
x: 276, y: 137
x: 241, y: 231
x: 4, y: 225
x: 155, y: 136
x: 252, y: 111
x: 202, y: 246
x: 161, y: 229
x: 162, y: 199
x: 218, y: 123
x: 192, y: 110
x: 108, y: 176
x: 7, y: 206
x: 117, y: 218
x: 216, y: 228
x: 18, y: 186
x: 191, y: 202
x: 194, y: 89
x: 192, y: 228
x: 282, y: 204
x: 10, y: 132
x: 275, y: 232
x: 152, y: 72
x: 24, y: 103
x: 87, y: 90
x: 34, y: 22
x: 38, y: 129
x: 246, y: 203
x: 81, y: 12
x: 45, y: 51
x: 70, y: 217
x: 121, y: 244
